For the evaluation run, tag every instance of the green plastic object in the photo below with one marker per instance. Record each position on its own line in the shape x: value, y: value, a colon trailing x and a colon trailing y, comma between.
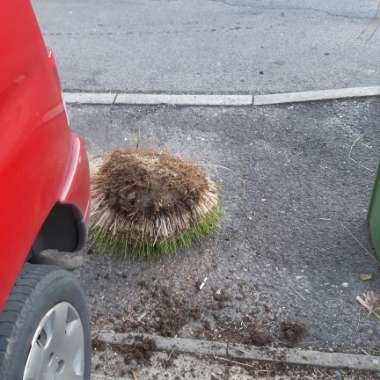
x: 374, y: 216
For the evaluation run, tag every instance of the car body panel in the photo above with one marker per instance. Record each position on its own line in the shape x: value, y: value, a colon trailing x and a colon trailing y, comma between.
x: 41, y: 161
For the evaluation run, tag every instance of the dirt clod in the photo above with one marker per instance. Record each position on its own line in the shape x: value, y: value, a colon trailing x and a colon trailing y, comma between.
x: 293, y: 331
x: 258, y: 337
x: 221, y: 295
x: 140, y: 351
x: 98, y: 345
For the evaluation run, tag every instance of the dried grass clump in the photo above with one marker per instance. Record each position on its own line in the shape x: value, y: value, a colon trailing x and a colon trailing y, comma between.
x: 145, y: 203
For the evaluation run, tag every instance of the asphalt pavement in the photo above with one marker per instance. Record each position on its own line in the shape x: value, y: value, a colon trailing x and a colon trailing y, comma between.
x: 213, y: 46
x: 296, y: 182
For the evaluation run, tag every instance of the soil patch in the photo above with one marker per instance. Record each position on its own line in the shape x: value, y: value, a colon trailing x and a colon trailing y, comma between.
x: 160, y: 312
x: 163, y: 311
x: 247, y: 331
x: 140, y: 352
x: 293, y: 331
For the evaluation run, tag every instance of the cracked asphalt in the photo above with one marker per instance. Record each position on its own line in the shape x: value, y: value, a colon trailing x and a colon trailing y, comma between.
x: 213, y: 46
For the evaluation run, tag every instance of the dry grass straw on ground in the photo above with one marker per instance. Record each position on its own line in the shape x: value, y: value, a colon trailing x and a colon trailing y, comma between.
x: 145, y: 203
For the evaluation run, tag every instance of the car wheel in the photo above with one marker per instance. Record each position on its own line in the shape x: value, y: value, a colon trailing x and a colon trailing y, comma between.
x: 44, y: 328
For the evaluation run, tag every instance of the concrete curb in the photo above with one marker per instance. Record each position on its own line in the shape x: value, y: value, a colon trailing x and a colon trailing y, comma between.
x: 215, y: 100
x: 185, y: 99
x: 108, y: 98
x: 245, y: 352
x: 105, y: 98
x: 309, y: 96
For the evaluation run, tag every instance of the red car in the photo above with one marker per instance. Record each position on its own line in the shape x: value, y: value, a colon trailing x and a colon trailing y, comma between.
x: 44, y: 195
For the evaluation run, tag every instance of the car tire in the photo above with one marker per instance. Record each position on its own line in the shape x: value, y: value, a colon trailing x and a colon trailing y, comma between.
x: 45, y: 328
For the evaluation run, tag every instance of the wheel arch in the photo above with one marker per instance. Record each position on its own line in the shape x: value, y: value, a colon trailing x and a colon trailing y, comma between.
x: 62, y: 230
